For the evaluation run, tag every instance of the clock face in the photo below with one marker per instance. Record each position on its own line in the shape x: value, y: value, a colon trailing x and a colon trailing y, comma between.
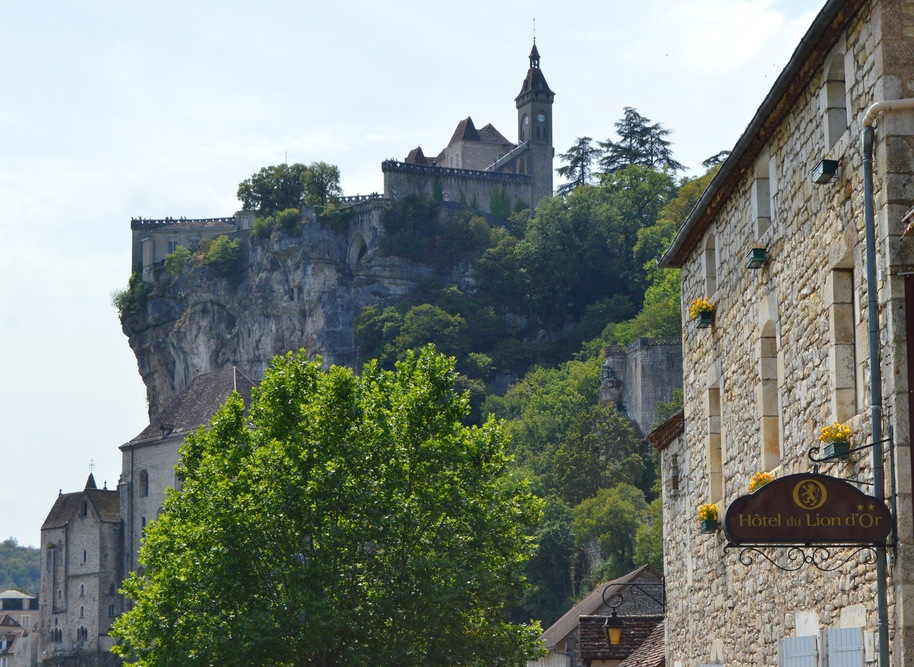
x: 541, y: 117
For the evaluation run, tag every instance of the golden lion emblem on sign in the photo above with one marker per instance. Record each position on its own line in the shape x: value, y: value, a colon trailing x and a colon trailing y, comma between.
x: 810, y: 494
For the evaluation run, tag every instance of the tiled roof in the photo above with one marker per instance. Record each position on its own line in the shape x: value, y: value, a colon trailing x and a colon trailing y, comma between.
x: 416, y: 156
x: 489, y: 135
x: 6, y: 595
x: 591, y: 604
x: 668, y: 431
x: 465, y: 131
x: 534, y: 82
x: 196, y: 404
x: 651, y: 653
x: 106, y: 503
x: 593, y: 644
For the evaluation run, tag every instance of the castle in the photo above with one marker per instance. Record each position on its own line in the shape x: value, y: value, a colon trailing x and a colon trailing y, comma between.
x: 90, y: 539
x: 478, y: 168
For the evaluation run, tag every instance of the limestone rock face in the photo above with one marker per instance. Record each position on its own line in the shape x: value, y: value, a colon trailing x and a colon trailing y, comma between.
x: 294, y: 292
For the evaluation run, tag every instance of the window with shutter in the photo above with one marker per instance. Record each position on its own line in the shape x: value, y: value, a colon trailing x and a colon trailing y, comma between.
x: 798, y: 652
x: 845, y: 647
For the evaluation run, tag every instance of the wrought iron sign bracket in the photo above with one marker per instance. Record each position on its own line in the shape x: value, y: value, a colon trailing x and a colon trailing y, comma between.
x: 812, y: 454
x: 824, y: 557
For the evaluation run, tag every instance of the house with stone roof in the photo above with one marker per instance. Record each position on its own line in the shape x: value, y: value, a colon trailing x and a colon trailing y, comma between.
x: 799, y: 243
x: 578, y: 639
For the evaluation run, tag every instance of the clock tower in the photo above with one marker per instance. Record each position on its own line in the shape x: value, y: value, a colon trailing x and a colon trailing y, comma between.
x: 534, y: 128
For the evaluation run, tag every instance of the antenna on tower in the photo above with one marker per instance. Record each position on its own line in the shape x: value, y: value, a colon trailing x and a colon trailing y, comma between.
x: 91, y: 465
x: 534, y: 28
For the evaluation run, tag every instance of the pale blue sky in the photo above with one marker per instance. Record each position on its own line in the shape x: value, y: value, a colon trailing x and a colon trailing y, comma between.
x: 116, y: 109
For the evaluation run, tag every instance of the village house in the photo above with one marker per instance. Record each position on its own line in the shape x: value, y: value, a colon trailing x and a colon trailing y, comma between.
x: 798, y: 245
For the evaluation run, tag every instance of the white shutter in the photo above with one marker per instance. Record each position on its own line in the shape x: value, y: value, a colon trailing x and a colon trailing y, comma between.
x: 845, y: 647
x: 798, y: 652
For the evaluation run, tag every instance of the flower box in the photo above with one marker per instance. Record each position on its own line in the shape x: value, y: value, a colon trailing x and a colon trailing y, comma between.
x: 709, y: 526
x: 704, y: 319
x: 757, y: 258
x: 837, y: 449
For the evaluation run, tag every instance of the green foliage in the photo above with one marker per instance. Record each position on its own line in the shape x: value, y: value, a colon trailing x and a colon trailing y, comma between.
x: 375, y: 330
x: 20, y: 567
x: 500, y: 202
x: 335, y: 217
x: 287, y: 221
x: 579, y: 167
x: 349, y: 519
x: 437, y: 190
x: 322, y: 184
x: 410, y: 226
x: 639, y: 143
x: 429, y: 324
x: 176, y: 260
x: 611, y: 519
x: 223, y: 256
x: 659, y: 317
x: 133, y: 298
x: 668, y: 409
x: 649, y: 537
x: 285, y: 186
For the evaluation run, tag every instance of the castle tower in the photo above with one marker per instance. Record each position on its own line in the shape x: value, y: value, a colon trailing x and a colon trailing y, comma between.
x: 534, y: 126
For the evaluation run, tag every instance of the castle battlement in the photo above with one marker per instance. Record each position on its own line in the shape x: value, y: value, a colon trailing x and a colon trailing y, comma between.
x: 205, y: 223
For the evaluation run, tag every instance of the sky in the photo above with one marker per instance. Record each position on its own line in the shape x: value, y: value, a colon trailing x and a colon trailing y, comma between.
x: 110, y: 110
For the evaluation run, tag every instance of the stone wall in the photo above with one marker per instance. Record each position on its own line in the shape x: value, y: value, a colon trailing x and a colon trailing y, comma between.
x: 787, y: 355
x: 464, y: 186
x: 639, y: 376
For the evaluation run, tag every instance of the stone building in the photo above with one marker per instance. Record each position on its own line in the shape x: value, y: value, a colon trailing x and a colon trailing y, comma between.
x: 80, y: 575
x: 19, y: 629
x: 481, y: 168
x: 91, y: 539
x: 788, y: 354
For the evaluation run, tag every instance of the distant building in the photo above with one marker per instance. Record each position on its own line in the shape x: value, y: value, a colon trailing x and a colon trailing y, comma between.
x: 18, y: 629
x: 90, y: 539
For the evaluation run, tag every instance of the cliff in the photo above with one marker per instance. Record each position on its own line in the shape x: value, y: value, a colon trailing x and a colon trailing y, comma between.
x: 292, y: 292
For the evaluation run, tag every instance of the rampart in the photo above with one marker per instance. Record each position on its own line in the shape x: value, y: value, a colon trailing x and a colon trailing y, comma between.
x: 473, y: 188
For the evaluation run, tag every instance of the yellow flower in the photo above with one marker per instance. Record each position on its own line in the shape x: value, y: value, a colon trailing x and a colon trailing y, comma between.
x: 708, y: 512
x: 700, y: 305
x: 835, y: 432
x: 760, y: 479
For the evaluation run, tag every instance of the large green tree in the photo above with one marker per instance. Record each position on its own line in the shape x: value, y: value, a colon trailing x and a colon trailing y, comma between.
x: 578, y: 167
x: 345, y: 520
x: 284, y: 186
x: 640, y: 142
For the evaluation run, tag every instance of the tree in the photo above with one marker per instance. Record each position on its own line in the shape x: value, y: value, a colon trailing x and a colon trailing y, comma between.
x: 284, y: 186
x: 322, y: 184
x: 344, y: 520
x: 639, y: 143
x: 611, y: 519
x: 273, y: 189
x: 580, y: 159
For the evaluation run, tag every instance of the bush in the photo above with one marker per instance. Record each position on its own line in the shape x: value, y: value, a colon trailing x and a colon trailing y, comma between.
x: 223, y: 256
x: 176, y: 260
x: 133, y: 298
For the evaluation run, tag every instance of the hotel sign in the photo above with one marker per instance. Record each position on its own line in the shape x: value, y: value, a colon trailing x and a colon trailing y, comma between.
x: 807, y: 509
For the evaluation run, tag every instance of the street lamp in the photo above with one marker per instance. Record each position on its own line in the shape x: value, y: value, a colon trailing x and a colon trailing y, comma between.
x: 614, y: 625
x: 612, y: 628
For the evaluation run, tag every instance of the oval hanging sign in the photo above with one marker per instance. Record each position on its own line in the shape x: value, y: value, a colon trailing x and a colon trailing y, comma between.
x: 807, y: 509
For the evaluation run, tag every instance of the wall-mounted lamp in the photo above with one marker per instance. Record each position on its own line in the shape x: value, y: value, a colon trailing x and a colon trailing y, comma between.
x: 757, y: 258
x: 614, y: 625
x: 825, y: 171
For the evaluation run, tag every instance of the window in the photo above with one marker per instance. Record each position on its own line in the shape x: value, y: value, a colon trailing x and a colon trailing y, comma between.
x: 24, y: 621
x: 85, y: 508
x: 172, y: 244
x: 834, y: 99
x: 715, y: 450
x: 710, y: 266
x: 82, y: 611
x: 798, y: 652
x: 112, y: 590
x: 768, y: 397
x: 144, y: 483
x: 194, y: 242
x: 110, y: 611
x: 842, y: 355
x: 85, y: 556
x: 82, y: 590
x: 761, y: 196
x: 845, y: 647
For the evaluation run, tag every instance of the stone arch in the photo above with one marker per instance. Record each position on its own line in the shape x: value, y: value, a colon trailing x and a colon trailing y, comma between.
x: 358, y: 248
x: 834, y: 98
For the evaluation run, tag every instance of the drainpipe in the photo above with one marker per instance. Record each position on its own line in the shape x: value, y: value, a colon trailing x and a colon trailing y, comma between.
x: 869, y: 133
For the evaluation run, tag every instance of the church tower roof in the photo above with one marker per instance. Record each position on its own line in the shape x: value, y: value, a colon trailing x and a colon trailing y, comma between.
x: 535, y: 81
x: 90, y: 483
